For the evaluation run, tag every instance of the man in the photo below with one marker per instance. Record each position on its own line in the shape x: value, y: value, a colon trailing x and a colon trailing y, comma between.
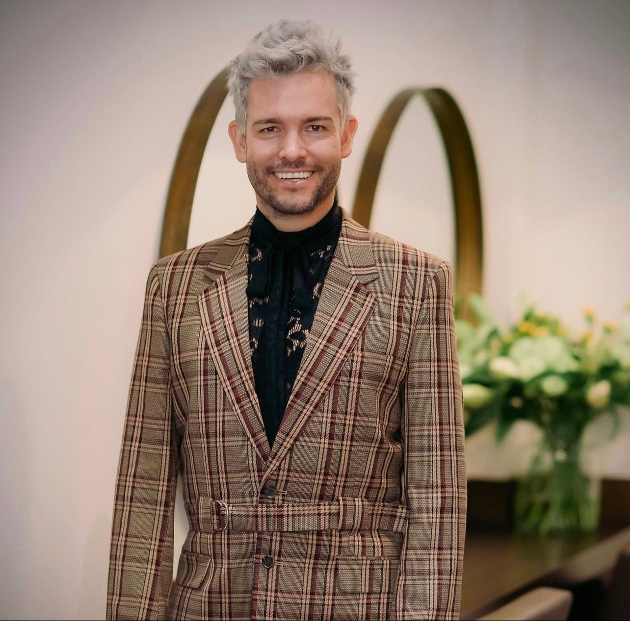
x: 302, y: 372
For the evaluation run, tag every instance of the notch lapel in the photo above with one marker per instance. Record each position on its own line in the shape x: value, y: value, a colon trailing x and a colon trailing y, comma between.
x: 224, y: 316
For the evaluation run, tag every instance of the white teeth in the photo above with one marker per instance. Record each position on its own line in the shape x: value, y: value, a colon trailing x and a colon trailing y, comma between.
x: 293, y: 175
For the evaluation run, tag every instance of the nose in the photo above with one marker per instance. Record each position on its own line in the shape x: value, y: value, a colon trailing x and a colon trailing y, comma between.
x: 292, y: 147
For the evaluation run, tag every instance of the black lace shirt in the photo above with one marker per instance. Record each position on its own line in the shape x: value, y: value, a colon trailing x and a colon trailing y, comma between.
x: 286, y: 276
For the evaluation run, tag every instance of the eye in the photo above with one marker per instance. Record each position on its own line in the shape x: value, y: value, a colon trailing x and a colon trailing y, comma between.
x: 316, y: 128
x: 269, y: 130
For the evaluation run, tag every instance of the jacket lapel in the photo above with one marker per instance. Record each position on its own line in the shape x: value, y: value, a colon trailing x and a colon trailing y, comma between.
x: 224, y: 316
x: 344, y: 309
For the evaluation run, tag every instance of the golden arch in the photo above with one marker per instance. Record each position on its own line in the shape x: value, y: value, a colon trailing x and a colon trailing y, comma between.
x: 181, y: 191
x: 464, y: 179
x: 459, y: 152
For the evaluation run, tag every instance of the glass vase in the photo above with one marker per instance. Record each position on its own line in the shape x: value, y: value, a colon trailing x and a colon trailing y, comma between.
x: 557, y: 495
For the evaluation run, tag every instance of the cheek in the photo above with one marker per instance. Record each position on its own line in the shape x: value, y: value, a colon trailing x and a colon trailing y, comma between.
x: 326, y: 150
x: 262, y: 152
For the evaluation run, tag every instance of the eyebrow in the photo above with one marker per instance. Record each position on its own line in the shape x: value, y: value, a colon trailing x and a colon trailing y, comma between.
x: 310, y: 119
x: 314, y: 119
x: 266, y: 122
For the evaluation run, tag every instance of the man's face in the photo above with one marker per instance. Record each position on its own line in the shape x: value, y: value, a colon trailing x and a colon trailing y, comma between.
x: 293, y: 145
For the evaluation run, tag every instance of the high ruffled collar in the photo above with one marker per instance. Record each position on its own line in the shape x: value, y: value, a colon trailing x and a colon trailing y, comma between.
x: 265, y: 231
x: 278, y: 254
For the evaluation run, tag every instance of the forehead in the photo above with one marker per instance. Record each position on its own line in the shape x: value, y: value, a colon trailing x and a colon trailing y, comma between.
x: 297, y: 96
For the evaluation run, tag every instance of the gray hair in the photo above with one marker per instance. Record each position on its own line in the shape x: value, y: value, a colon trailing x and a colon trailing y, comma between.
x: 285, y: 48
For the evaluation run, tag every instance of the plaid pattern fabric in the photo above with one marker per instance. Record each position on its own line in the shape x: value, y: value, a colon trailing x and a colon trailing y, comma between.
x: 358, y: 512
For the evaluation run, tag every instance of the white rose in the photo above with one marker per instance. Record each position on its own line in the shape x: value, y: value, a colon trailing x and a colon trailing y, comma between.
x: 503, y: 367
x: 554, y: 385
x: 598, y: 395
x: 476, y: 395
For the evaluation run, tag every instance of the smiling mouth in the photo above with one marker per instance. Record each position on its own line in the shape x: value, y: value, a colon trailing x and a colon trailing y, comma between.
x: 293, y: 175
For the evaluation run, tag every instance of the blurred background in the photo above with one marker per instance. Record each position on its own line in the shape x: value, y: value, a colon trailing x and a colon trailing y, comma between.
x: 94, y: 99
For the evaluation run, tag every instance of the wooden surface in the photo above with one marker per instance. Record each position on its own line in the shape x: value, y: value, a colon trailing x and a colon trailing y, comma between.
x: 499, y: 567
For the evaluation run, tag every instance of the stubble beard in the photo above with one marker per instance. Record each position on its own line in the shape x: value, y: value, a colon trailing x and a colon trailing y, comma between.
x: 295, y: 206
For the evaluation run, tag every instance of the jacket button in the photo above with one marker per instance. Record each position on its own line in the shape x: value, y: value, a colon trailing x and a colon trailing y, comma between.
x: 268, y: 491
x: 267, y: 561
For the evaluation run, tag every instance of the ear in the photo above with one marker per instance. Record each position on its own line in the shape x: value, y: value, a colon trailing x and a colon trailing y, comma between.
x: 238, y: 141
x: 347, y: 136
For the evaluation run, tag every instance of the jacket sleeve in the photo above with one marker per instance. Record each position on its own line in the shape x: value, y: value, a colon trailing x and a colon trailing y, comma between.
x: 141, y: 558
x: 434, y: 477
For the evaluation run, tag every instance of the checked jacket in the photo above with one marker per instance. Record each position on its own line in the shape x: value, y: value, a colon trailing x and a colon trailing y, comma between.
x: 358, y: 511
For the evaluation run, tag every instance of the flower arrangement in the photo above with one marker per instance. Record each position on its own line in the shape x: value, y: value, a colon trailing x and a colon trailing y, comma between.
x: 538, y: 372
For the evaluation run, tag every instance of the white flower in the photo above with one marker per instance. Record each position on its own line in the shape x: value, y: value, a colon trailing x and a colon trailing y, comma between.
x: 556, y: 354
x: 598, y: 395
x: 547, y: 353
x: 476, y: 395
x: 503, y: 367
x: 554, y: 385
x: 530, y: 367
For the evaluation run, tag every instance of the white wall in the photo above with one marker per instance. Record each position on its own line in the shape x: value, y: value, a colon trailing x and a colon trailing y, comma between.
x: 94, y: 98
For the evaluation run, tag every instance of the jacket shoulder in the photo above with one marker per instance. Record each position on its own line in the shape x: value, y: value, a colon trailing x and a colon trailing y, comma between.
x: 190, y: 269
x: 401, y: 272
x: 201, y: 255
x: 389, y: 251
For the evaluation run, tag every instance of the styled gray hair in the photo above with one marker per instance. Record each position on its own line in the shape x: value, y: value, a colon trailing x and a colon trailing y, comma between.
x: 285, y: 48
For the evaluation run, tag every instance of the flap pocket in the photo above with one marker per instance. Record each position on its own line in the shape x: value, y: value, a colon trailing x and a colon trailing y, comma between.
x: 193, y: 569
x: 367, y: 575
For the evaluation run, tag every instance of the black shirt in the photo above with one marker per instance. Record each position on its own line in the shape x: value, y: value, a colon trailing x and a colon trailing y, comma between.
x: 286, y: 276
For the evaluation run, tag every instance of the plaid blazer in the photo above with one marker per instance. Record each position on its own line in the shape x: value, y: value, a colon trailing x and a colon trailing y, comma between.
x: 358, y: 511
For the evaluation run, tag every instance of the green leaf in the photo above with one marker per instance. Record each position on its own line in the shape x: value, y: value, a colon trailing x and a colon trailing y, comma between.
x: 503, y: 427
x: 480, y: 308
x: 478, y: 419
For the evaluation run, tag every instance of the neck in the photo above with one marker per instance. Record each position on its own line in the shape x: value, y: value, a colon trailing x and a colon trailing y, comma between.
x: 291, y: 223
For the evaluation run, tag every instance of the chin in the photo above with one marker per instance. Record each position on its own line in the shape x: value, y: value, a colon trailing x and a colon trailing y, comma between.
x: 292, y: 207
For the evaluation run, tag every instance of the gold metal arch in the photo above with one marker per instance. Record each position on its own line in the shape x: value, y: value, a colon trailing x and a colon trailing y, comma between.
x: 459, y: 152
x: 181, y: 191
x: 464, y: 180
